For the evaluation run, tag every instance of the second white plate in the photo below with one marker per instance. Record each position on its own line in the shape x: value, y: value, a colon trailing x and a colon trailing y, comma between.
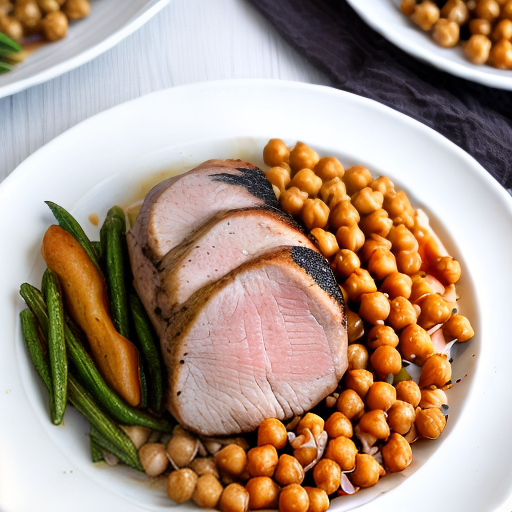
x: 385, y: 17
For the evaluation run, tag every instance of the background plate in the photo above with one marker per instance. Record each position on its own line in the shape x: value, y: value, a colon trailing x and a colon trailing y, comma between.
x: 116, y: 156
x: 385, y: 17
x: 109, y: 22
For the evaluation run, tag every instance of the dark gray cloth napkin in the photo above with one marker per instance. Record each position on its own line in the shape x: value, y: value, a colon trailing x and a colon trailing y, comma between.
x: 333, y: 38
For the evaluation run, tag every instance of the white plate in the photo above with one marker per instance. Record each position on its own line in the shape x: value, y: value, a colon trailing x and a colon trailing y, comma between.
x: 115, y: 156
x: 109, y: 22
x: 385, y: 17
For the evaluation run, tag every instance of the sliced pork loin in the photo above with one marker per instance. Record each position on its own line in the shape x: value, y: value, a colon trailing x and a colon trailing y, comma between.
x: 221, y: 244
x: 267, y: 340
x: 176, y: 207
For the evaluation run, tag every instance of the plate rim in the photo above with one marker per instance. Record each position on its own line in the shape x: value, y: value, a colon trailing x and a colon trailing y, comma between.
x: 141, y: 18
x: 424, y: 54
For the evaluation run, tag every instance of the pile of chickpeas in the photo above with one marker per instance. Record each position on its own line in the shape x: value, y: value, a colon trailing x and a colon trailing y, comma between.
x: 20, y: 19
x: 399, y: 290
x: 488, y: 24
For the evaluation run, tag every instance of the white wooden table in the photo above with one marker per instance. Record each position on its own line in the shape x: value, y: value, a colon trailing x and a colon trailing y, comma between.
x: 189, y: 41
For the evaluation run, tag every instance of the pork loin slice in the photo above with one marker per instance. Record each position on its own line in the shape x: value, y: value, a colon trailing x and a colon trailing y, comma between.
x: 221, y: 244
x: 176, y: 206
x: 267, y: 340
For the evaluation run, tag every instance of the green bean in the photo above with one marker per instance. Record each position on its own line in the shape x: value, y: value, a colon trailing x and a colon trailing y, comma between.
x: 148, y: 345
x: 96, y: 451
x: 56, y: 348
x: 113, y: 242
x: 69, y: 223
x: 86, y: 371
x: 97, y: 250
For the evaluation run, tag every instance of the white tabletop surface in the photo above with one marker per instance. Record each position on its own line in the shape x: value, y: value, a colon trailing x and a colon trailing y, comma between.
x: 189, y: 41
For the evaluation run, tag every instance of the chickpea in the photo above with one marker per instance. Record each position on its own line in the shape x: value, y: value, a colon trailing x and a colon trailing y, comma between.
x: 275, y: 153
x: 386, y: 360
x: 436, y: 371
x: 503, y: 30
x: 420, y: 289
x: 293, y: 498
x: 402, y: 239
x: 350, y: 237
x: 359, y: 282
x: 328, y: 168
x: 315, y: 214
x: 276, y: 191
x: 426, y: 14
x: 343, y: 451
x: 55, y: 26
x: 448, y: 268
x: 374, y: 307
x: 182, y: 448
x: 207, y: 492
x: 263, y: 493
x: 279, y: 177
x: 434, y: 310
x: 355, y: 327
x: 415, y: 344
x: 11, y: 27
x: 372, y: 243
x: 153, y: 458
x: 318, y: 499
x: 482, y: 27
x: 303, y: 157
x: 28, y: 14
x: 313, y: 422
x: 305, y: 455
x: 377, y: 223
x: 408, y: 262
x: 138, y: 435
x: 408, y: 391
x: 374, y: 423
x: 345, y: 262
x: 446, y: 33
x: 307, y: 181
x: 292, y: 200
x: 262, y: 460
x: 234, y: 498
x: 181, y: 485
x: 360, y: 381
x: 327, y: 474
x: 350, y: 404
x: 478, y: 48
x: 367, y: 472
x: 232, y: 460
x: 356, y: 178
x: 458, y: 327
x: 397, y: 453
x: 343, y: 214
x: 430, y: 423
x: 487, y: 9
x: 401, y: 314
x: 203, y: 465
x: 506, y: 10
x: 381, y: 335
x: 399, y: 208
x: 289, y: 471
x: 397, y: 285
x: 455, y: 10
x: 433, y: 398
x: 382, y: 263
x: 76, y: 9
x: 357, y: 357
x: 407, y: 7
x: 367, y: 200
x: 272, y: 431
x: 49, y: 5
x: 381, y: 396
x: 401, y: 416
x: 326, y: 241
x: 337, y: 425
x: 332, y: 192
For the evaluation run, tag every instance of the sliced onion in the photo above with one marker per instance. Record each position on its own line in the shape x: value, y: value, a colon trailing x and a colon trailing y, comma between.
x: 435, y: 285
x: 450, y: 295
x: 367, y: 440
x: 413, y: 370
x: 346, y: 487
